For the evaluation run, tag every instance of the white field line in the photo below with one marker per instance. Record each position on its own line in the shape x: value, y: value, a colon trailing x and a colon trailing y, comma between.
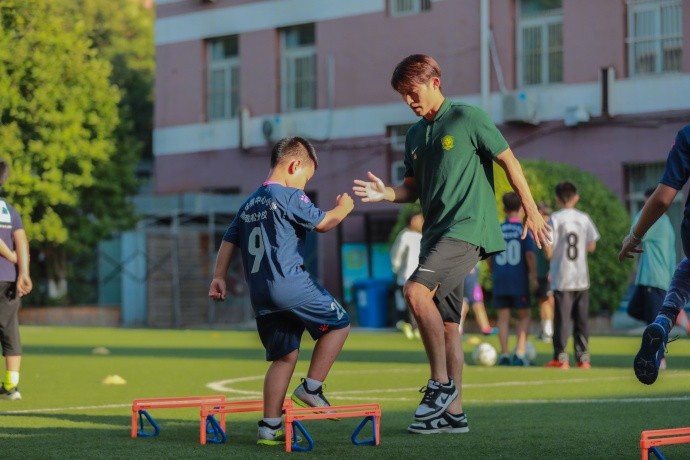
x: 223, y: 386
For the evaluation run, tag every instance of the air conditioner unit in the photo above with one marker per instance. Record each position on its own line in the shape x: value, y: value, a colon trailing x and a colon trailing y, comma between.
x: 397, y: 172
x: 520, y: 106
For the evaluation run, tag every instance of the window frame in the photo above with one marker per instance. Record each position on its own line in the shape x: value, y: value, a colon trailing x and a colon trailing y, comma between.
x: 230, y: 66
x: 543, y: 22
x: 289, y: 81
x: 656, y: 41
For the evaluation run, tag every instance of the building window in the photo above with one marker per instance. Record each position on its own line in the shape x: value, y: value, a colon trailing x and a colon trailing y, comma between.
x: 408, y: 7
x: 540, y: 42
x: 223, y: 76
x: 655, y: 36
x: 298, y: 68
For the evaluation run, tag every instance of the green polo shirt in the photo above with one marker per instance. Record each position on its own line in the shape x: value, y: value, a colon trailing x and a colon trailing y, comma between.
x: 451, y: 159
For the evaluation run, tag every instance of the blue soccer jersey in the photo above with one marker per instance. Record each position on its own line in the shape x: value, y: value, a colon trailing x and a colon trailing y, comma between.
x: 509, y: 268
x: 270, y: 229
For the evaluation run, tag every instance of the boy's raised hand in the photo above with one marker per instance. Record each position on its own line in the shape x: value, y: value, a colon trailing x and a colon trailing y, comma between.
x: 346, y: 201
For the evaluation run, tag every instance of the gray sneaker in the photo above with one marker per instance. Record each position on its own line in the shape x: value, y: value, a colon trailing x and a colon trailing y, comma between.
x: 437, y: 398
x: 12, y: 394
x: 305, y: 398
x: 445, y: 423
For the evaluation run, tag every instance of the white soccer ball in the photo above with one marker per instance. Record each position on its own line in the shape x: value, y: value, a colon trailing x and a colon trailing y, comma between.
x: 530, y: 351
x: 484, y: 354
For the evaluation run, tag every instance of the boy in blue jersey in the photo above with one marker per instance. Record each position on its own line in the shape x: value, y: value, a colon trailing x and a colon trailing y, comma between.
x: 270, y: 230
x: 514, y: 273
x: 655, y: 336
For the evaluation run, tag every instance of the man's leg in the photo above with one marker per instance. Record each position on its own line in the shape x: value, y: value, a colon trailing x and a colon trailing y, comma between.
x: 455, y: 359
x: 422, y: 305
x: 655, y: 336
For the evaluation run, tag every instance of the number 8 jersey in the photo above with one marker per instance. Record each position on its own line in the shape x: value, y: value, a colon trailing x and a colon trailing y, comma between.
x: 573, y: 230
x: 270, y: 230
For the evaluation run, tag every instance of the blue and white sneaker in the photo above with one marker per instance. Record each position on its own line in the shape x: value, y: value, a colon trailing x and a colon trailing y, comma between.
x: 652, y: 349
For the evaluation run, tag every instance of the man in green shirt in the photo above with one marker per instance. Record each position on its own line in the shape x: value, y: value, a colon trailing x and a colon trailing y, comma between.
x: 449, y: 155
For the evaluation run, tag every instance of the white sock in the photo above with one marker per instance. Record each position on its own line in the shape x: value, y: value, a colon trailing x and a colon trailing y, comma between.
x: 311, y: 384
x: 548, y: 327
x: 273, y: 422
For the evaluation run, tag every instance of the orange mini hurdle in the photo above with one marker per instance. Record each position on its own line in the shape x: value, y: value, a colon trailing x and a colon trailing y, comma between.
x: 293, y: 416
x: 140, y: 408
x: 209, y: 426
x: 650, y: 439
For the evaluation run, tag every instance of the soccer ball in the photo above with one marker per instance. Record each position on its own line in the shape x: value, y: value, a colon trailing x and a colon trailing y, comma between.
x: 530, y: 351
x: 484, y: 354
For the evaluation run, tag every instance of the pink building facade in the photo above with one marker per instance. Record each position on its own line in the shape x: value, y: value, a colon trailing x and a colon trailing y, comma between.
x: 603, y: 86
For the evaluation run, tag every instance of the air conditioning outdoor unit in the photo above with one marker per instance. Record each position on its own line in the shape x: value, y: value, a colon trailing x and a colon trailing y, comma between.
x: 520, y: 106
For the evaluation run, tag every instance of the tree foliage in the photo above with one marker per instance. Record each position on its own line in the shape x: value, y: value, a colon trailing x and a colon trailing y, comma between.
x: 75, y: 118
x: 58, y: 112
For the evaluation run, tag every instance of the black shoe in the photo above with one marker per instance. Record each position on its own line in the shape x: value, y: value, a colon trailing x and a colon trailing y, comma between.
x: 437, y: 398
x: 445, y: 423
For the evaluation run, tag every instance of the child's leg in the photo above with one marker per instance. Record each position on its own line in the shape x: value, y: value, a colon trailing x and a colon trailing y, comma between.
x: 522, y: 329
x: 480, y: 315
x: 276, y: 384
x: 503, y: 324
x: 326, y: 351
x: 580, y: 317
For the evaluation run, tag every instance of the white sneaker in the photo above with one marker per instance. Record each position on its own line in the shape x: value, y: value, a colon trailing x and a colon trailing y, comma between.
x: 11, y: 395
x: 270, y: 435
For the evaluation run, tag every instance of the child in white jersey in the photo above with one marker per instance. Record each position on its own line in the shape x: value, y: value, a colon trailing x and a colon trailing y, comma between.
x: 574, y: 236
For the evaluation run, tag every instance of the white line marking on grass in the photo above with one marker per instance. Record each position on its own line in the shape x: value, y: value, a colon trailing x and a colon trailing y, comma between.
x: 60, y: 409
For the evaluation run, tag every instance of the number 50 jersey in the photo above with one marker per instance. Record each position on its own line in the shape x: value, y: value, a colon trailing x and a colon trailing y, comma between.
x: 270, y: 230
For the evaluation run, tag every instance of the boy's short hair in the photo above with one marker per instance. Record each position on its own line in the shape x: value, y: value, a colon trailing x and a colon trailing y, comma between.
x: 511, y: 202
x: 4, y: 171
x: 414, y: 69
x: 293, y: 147
x: 565, y: 191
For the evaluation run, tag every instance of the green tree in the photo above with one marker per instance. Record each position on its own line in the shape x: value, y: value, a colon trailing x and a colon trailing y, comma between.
x: 58, y: 118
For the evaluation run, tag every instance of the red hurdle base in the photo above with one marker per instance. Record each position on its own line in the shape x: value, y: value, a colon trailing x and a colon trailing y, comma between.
x: 650, y: 439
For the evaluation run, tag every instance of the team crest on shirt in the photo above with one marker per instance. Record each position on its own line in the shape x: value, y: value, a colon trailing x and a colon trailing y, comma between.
x: 447, y: 142
x: 304, y: 198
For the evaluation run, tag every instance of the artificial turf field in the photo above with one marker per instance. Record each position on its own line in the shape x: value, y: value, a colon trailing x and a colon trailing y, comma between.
x: 67, y: 413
